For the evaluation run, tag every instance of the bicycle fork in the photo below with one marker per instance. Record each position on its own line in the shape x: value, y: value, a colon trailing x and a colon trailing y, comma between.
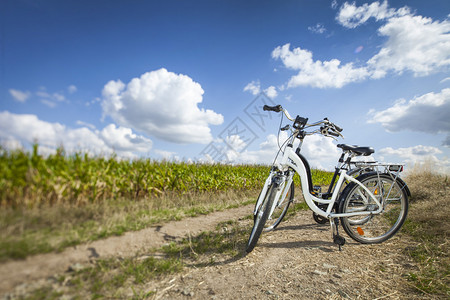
x: 283, y: 183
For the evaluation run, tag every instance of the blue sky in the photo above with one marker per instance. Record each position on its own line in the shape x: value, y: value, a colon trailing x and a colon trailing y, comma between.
x: 181, y: 79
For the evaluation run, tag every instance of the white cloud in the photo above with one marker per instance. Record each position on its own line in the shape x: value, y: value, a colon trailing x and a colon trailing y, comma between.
x: 11, y: 144
x: 19, y: 95
x: 19, y: 129
x: 334, y: 4
x: 445, y: 80
x: 84, y: 124
x: 417, y: 155
x: 161, y: 104
x: 59, y: 97
x: 49, y: 103
x: 351, y: 16
x: 327, y: 74
x: 271, y: 92
x: 415, y: 44
x: 42, y: 93
x: 253, y: 87
x: 167, y: 155
x: 72, y: 89
x: 264, y: 155
x: 123, y: 139
x: 320, y: 152
x: 428, y: 113
x: 319, y: 28
x: 50, y: 99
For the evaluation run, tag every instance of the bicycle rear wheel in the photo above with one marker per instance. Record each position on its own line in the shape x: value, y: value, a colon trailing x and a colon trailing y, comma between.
x: 261, y: 217
x: 280, y: 210
x: 376, y: 228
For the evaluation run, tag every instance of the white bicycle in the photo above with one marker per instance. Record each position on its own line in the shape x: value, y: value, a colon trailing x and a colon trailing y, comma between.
x: 371, y: 207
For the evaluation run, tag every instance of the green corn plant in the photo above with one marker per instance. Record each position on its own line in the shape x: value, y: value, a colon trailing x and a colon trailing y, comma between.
x: 29, y: 179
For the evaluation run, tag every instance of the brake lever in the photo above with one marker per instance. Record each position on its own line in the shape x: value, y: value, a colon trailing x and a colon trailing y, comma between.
x: 330, y: 132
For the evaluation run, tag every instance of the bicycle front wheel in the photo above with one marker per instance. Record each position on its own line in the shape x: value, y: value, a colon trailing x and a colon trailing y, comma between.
x: 280, y: 210
x: 261, y: 217
x: 374, y: 228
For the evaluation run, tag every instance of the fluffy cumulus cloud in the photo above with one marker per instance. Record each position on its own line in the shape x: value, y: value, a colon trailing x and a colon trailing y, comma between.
x: 123, y: 139
x: 161, y: 104
x: 414, y: 44
x: 265, y: 154
x: 271, y: 92
x: 319, y: 74
x: 16, y: 130
x: 428, y: 113
x: 320, y: 151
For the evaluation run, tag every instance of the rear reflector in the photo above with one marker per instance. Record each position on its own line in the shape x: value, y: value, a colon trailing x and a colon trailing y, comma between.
x: 360, y: 231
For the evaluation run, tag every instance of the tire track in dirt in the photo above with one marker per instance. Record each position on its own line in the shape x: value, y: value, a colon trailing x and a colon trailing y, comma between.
x: 35, y: 267
x: 299, y: 261
x: 296, y: 261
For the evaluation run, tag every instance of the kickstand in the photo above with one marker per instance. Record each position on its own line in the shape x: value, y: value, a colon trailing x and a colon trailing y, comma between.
x: 337, y: 239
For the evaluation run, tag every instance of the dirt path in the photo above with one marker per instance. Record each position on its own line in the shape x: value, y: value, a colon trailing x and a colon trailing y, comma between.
x: 35, y: 267
x: 296, y: 261
x: 299, y: 261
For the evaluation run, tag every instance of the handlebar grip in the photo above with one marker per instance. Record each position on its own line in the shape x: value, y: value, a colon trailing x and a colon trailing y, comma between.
x: 276, y: 108
x: 337, y: 128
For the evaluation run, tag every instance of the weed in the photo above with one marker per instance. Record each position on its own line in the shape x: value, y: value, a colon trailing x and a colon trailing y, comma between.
x: 119, y: 278
x: 50, y: 203
x: 427, y: 224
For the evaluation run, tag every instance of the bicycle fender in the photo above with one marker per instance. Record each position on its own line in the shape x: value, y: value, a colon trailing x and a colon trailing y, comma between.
x: 404, y: 186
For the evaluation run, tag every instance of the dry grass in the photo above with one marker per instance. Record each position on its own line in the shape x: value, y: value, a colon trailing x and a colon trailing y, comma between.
x: 28, y: 231
x: 428, y: 224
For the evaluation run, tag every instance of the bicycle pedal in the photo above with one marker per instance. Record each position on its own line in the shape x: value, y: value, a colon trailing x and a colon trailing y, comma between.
x: 339, y: 240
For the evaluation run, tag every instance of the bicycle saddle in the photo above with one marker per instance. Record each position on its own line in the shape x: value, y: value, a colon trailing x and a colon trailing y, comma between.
x: 366, y: 151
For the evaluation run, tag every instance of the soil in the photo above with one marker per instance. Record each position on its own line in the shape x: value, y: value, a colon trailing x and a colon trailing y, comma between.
x: 296, y: 261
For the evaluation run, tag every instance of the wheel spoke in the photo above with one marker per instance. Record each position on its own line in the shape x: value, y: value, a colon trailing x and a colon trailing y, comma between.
x: 374, y: 228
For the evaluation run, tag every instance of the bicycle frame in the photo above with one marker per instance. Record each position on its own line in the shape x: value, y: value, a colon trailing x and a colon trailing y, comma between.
x: 338, y: 203
x: 290, y: 159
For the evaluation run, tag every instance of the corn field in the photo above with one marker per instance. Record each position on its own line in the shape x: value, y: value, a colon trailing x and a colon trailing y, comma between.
x: 28, y: 179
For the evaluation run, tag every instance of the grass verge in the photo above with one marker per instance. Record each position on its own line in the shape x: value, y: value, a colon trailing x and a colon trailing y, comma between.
x: 25, y: 232
x: 428, y: 225
x: 127, y: 278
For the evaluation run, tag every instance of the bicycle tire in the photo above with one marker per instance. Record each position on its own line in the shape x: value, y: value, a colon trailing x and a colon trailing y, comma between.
x: 280, y: 210
x: 261, y: 217
x: 375, y: 228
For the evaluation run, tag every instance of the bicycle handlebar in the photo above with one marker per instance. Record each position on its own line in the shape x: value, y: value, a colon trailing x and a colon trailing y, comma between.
x: 329, y: 129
